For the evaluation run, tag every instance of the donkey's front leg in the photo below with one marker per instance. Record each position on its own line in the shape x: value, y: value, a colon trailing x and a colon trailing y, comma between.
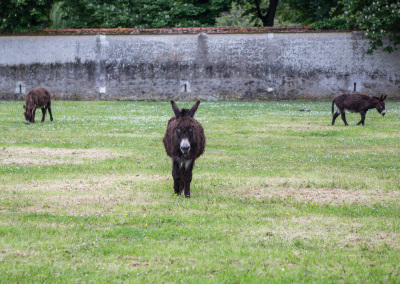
x: 188, y: 177
x: 177, y: 177
x: 33, y: 115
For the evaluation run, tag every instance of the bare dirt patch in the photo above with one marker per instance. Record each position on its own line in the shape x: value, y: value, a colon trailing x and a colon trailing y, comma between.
x: 50, y: 156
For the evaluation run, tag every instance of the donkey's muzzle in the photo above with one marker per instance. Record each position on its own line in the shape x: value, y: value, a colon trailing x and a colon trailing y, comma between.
x: 27, y: 122
x: 185, y: 146
x: 383, y: 113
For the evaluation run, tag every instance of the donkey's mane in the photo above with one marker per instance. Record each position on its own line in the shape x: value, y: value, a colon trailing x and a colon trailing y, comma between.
x: 185, y: 111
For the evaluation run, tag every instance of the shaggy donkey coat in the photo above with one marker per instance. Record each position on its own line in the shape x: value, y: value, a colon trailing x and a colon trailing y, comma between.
x: 356, y: 103
x: 184, y: 142
x: 37, y: 98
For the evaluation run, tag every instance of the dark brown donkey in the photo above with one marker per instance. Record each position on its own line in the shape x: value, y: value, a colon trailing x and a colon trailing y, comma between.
x: 184, y: 142
x: 37, y: 98
x: 357, y: 103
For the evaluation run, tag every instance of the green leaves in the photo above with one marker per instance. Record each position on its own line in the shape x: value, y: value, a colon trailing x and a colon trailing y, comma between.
x: 311, y: 11
x: 24, y: 15
x: 30, y: 15
x: 142, y: 13
x: 379, y: 19
x: 236, y: 17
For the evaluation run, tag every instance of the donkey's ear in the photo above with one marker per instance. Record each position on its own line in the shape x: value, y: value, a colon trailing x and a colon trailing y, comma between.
x: 175, y: 109
x: 192, y: 111
x: 384, y: 98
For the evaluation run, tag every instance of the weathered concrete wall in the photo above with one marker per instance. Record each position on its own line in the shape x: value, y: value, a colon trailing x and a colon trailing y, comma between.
x: 205, y: 66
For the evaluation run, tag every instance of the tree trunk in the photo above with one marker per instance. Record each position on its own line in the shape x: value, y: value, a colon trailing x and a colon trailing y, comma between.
x: 268, y: 19
x: 273, y: 4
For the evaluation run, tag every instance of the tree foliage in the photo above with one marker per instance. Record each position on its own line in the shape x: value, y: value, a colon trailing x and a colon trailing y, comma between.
x: 379, y: 19
x: 264, y: 10
x: 307, y: 12
x: 142, y: 13
x: 24, y: 15
x: 236, y: 17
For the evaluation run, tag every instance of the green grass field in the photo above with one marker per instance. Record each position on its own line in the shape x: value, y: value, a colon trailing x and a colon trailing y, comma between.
x: 280, y: 195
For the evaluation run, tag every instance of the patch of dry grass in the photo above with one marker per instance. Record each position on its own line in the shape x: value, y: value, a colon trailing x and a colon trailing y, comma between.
x: 29, y: 156
x: 320, y: 196
x: 84, y: 196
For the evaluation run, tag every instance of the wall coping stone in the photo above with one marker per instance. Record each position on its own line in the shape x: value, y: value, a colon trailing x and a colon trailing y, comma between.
x: 163, y: 31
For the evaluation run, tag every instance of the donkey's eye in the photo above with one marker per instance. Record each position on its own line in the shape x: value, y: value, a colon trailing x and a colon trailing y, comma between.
x: 178, y: 131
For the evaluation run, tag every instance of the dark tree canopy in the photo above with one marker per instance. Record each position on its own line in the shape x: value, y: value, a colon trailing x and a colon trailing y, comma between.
x: 379, y: 19
x: 25, y: 15
x: 307, y: 12
x: 142, y: 13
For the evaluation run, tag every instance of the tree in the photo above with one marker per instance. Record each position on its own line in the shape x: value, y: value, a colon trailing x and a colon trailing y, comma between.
x: 236, y: 18
x: 25, y: 15
x: 56, y: 16
x: 379, y: 19
x: 263, y: 9
x: 307, y: 12
x: 142, y: 13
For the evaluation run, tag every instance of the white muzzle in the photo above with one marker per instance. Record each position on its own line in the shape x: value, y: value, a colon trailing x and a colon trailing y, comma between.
x: 185, y: 146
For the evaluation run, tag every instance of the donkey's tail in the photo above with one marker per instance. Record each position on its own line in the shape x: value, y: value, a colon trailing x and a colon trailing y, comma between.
x: 333, y: 106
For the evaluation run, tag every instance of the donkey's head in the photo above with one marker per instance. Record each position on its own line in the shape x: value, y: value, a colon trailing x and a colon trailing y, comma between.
x: 380, y: 107
x: 28, y: 113
x: 184, y: 126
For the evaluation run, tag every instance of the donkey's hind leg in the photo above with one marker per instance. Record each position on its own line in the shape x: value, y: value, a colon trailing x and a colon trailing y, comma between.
x: 362, y: 113
x: 335, y: 115
x: 343, y: 114
x: 51, y: 115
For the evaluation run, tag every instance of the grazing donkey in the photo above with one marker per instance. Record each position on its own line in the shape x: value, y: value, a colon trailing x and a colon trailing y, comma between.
x: 37, y: 98
x: 184, y: 142
x: 357, y: 103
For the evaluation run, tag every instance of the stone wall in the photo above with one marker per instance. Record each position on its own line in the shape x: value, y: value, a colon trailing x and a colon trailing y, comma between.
x: 210, y: 66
